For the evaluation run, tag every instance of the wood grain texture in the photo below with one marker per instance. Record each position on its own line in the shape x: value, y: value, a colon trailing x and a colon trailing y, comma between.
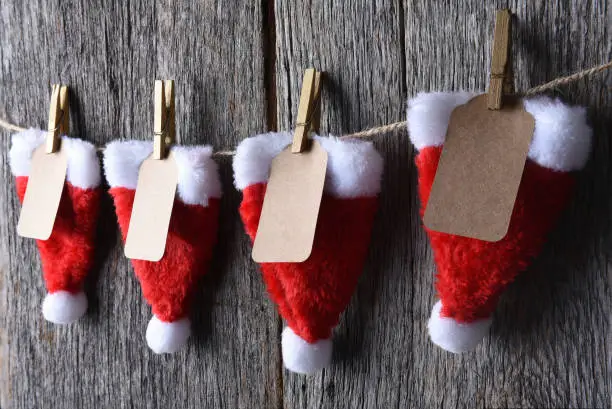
x: 363, y: 87
x: 110, y: 53
x: 237, y: 69
x: 549, y: 344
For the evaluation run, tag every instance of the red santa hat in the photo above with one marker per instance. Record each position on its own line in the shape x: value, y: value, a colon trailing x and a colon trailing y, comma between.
x: 168, y: 284
x: 472, y: 273
x: 311, y: 295
x: 67, y: 256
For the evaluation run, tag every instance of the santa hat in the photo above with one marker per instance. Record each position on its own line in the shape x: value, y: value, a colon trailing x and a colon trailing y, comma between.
x: 67, y: 255
x: 168, y: 284
x: 472, y: 273
x: 311, y: 295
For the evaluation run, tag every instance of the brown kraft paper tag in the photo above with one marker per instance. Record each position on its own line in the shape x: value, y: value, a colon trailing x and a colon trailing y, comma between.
x: 480, y: 170
x: 291, y: 206
x: 43, y: 194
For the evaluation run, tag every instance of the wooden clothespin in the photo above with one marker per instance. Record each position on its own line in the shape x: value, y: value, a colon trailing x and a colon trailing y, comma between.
x: 59, y: 118
x: 290, y: 210
x: 164, y: 122
x: 309, y: 111
x: 315, y: 123
x: 157, y: 184
x: 501, y: 81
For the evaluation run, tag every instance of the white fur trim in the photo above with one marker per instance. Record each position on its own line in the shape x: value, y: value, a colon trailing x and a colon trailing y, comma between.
x: 562, y: 137
x: 354, y: 168
x: 83, y: 165
x: 122, y: 160
x: 167, y: 337
x: 198, y: 173
x: 453, y: 336
x: 254, y: 155
x: 302, y: 357
x: 23, y: 145
x: 428, y: 115
x: 63, y: 307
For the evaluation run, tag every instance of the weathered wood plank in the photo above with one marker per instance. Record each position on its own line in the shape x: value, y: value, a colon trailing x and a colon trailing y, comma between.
x: 359, y: 45
x: 549, y: 335
x: 548, y: 346
x: 110, y: 54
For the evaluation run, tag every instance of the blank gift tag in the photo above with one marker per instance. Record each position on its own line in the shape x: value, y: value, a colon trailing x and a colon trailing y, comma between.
x: 155, y: 191
x: 480, y: 170
x: 43, y: 194
x: 291, y: 206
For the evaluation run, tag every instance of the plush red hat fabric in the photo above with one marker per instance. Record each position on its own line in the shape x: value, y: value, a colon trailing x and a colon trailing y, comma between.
x: 168, y: 284
x: 473, y: 273
x: 311, y: 295
x: 67, y: 255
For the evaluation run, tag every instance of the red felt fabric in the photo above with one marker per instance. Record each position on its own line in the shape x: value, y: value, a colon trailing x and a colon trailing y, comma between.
x: 311, y: 295
x: 473, y: 273
x: 67, y: 256
x: 168, y: 284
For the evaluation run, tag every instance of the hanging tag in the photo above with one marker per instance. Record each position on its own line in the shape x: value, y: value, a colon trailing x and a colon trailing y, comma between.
x: 291, y: 206
x: 43, y: 194
x: 155, y: 191
x: 480, y: 169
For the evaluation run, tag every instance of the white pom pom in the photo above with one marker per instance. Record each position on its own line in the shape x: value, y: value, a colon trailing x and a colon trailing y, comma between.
x: 63, y: 307
x: 453, y: 336
x: 302, y: 357
x: 167, y: 337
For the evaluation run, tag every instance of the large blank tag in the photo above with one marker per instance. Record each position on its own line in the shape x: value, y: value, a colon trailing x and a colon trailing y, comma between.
x: 480, y: 170
x: 155, y: 191
x: 291, y: 206
x: 43, y: 194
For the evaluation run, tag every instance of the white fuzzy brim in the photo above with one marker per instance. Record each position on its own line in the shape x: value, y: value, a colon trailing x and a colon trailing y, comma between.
x: 167, y: 337
x: 562, y: 136
x: 428, y: 115
x: 453, y: 336
x: 198, y: 174
x: 354, y: 168
x: 561, y: 139
x: 83, y: 168
x: 302, y: 357
x: 63, y: 307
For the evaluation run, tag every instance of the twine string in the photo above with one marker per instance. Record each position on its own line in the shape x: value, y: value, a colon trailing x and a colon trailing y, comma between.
x: 399, y: 126
x: 569, y: 79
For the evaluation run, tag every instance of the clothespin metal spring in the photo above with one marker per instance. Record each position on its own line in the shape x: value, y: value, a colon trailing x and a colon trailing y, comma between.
x: 501, y: 80
x: 164, y: 130
x: 309, y: 110
x: 59, y: 118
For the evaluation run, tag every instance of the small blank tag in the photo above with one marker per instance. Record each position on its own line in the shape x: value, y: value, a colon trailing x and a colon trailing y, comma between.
x: 43, y: 194
x: 155, y: 191
x: 291, y: 206
x: 480, y: 170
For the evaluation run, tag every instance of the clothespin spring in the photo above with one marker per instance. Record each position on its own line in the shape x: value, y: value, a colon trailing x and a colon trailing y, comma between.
x: 501, y: 80
x: 164, y: 129
x: 59, y: 122
x: 309, y: 122
x: 59, y: 118
x: 309, y: 114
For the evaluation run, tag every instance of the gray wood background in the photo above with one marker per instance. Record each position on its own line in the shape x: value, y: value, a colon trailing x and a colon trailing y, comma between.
x: 238, y: 70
